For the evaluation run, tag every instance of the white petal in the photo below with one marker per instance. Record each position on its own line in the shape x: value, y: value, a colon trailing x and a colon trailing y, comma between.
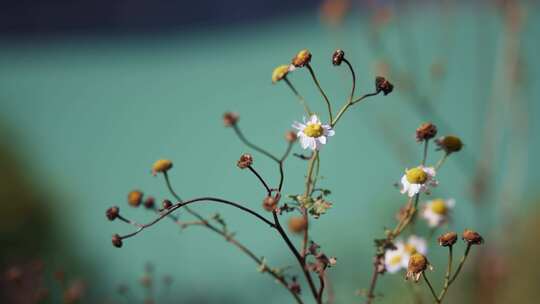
x: 404, y: 184
x: 414, y: 189
x: 322, y: 139
x: 312, y: 144
x: 450, y: 203
x: 304, y: 141
x: 298, y: 126
x: 314, y: 119
x: 430, y: 171
x: 328, y: 131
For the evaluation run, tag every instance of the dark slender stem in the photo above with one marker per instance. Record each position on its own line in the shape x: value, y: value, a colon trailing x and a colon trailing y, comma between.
x: 371, y: 292
x: 328, y: 105
x: 177, y: 197
x: 430, y: 287
x: 349, y: 104
x: 353, y: 78
x: 300, y: 97
x: 281, y: 161
x: 447, y: 276
x: 424, y: 158
x: 461, y: 262
x: 253, y: 146
x: 321, y: 288
x: 260, y: 179
x: 365, y: 96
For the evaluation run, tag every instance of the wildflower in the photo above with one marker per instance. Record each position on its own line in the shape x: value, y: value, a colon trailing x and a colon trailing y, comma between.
x: 381, y: 84
x: 161, y: 166
x: 297, y: 224
x: 302, y: 58
x: 426, y: 131
x: 245, y: 161
x: 337, y: 57
x: 117, y: 241
x: 417, y: 180
x: 135, y: 198
x: 280, y: 72
x: 449, y: 143
x: 270, y: 203
x: 398, y: 258
x: 313, y: 133
x: 291, y: 136
x: 418, y: 263
x: 230, y: 119
x: 448, y: 239
x: 472, y: 237
x: 436, y: 212
x: 112, y: 213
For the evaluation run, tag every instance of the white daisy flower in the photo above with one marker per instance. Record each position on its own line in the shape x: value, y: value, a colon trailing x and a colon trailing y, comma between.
x: 397, y: 259
x: 417, y: 180
x: 313, y: 134
x: 437, y: 211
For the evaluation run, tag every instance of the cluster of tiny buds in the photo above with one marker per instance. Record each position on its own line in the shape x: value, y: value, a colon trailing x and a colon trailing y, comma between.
x: 381, y: 84
x: 230, y: 119
x: 426, y: 131
x: 245, y: 161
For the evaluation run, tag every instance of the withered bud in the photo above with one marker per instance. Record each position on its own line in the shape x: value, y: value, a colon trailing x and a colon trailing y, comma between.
x: 291, y: 136
x: 302, y: 58
x: 426, y: 131
x: 117, y: 241
x: 161, y: 166
x: 381, y: 84
x: 294, y: 286
x: 245, y: 161
x: 135, y: 198
x: 472, y: 237
x: 112, y: 213
x: 449, y: 143
x: 297, y: 224
x: 166, y: 204
x: 149, y: 202
x: 448, y: 239
x: 418, y: 263
x: 337, y: 57
x: 230, y: 119
x: 279, y: 73
x: 270, y: 203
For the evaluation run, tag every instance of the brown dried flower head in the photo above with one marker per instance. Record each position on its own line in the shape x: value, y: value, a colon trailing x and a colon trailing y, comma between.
x: 245, y: 161
x: 161, y: 166
x: 337, y: 57
x: 270, y: 203
x: 381, y: 84
x: 297, y: 224
x: 448, y: 239
x: 449, y: 143
x: 135, y: 198
x: 230, y: 119
x: 112, y: 213
x: 472, y: 237
x: 117, y: 241
x: 149, y: 202
x: 279, y: 73
x: 291, y: 136
x: 418, y: 263
x: 166, y: 204
x: 302, y: 58
x: 426, y: 131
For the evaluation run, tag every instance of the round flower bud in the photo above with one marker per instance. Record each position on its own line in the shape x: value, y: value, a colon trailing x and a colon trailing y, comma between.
x: 161, y: 166
x: 112, y: 213
x: 230, y: 119
x: 381, y: 84
x: 270, y: 203
x: 291, y: 136
x: 472, y: 237
x: 337, y: 57
x: 135, y: 198
x: 117, y: 241
x: 245, y: 161
x: 449, y: 143
x: 418, y: 263
x: 448, y: 239
x: 426, y: 131
x: 297, y: 224
x: 149, y: 202
x: 279, y: 73
x: 166, y: 204
x: 302, y: 58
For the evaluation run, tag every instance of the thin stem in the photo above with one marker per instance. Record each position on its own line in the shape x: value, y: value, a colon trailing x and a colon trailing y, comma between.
x: 328, y: 105
x: 260, y: 179
x: 300, y: 97
x: 430, y: 287
x: 442, y: 160
x: 447, y: 276
x: 281, y: 161
x: 371, y: 292
x: 460, y: 265
x: 424, y: 158
x: 321, y: 288
x: 253, y: 146
x: 349, y: 104
x: 179, y: 199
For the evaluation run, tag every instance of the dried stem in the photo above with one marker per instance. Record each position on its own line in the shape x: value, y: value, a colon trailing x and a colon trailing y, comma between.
x: 430, y: 287
x: 447, y: 276
x: 316, y: 81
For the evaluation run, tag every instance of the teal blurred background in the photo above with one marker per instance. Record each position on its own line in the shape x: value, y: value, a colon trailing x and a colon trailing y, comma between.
x: 83, y: 117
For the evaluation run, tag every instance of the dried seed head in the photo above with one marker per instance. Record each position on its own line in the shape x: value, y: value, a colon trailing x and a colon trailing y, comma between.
x: 135, y: 198
x: 472, y: 237
x: 149, y: 202
x: 448, y: 239
x: 270, y: 203
x: 449, y: 143
x: 297, y: 224
x: 337, y: 57
x: 302, y: 58
x: 230, y: 119
x: 418, y: 263
x: 166, y: 204
x: 161, y: 166
x: 112, y: 213
x: 291, y: 136
x: 381, y: 84
x: 426, y: 131
x: 117, y: 241
x: 280, y: 72
x: 245, y: 161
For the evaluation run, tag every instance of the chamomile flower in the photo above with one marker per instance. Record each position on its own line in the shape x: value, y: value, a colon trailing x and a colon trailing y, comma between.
x: 417, y: 180
x: 397, y: 259
x: 312, y: 133
x: 437, y: 211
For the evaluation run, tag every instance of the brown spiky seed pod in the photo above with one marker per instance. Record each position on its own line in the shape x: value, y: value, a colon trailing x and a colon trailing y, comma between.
x: 448, y: 239
x: 245, y: 161
x: 472, y: 237
x: 117, y: 241
x: 337, y: 57
x: 112, y: 213
x: 426, y: 131
x: 381, y: 84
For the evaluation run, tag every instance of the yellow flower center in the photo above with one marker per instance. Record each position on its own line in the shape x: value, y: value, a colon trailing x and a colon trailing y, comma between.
x: 314, y: 130
x: 410, y: 249
x: 416, y: 176
x: 395, y: 260
x: 439, y: 207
